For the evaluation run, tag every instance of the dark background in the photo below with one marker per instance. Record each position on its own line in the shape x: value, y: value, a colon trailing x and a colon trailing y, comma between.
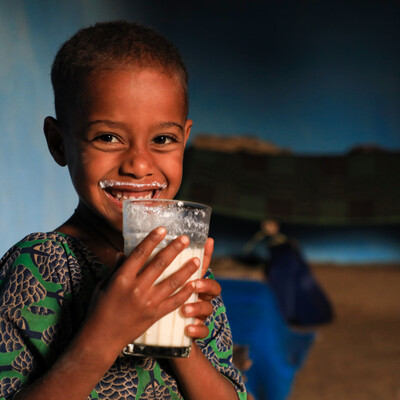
x: 313, y: 77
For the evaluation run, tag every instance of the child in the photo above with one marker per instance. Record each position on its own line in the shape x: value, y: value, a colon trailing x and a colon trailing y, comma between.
x: 69, y: 304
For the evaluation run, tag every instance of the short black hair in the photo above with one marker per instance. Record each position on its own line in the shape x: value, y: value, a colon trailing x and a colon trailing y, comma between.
x: 110, y: 45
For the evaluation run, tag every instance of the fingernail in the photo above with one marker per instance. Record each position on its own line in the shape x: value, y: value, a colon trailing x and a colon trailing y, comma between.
x: 184, y: 239
x: 191, y: 329
x: 188, y: 309
x: 198, y: 284
x: 196, y: 262
x: 161, y: 231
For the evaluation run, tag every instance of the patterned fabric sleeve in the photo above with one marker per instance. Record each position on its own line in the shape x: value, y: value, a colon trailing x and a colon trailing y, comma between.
x: 32, y: 293
x: 218, y: 346
x: 43, y: 295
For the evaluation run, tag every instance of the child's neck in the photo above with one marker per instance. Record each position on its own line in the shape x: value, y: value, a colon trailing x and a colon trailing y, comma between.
x: 97, y: 236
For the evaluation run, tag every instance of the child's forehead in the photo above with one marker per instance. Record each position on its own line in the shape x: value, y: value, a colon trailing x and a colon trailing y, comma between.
x: 109, y: 77
x: 117, y: 79
x: 134, y: 71
x: 105, y: 87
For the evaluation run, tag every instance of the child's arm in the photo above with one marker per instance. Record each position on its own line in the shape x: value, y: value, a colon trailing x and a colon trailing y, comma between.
x: 123, y: 310
x: 197, y: 376
x: 200, y: 380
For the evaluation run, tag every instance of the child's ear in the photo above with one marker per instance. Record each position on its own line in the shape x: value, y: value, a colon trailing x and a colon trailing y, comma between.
x: 55, y: 140
x: 188, y: 127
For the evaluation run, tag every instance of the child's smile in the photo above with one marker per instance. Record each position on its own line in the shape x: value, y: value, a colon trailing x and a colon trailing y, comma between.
x: 126, y: 139
x: 121, y: 191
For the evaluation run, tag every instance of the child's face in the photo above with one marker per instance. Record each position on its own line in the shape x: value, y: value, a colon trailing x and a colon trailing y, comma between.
x: 127, y: 140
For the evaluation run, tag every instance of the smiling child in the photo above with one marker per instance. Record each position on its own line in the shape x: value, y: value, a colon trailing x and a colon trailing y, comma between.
x: 69, y: 301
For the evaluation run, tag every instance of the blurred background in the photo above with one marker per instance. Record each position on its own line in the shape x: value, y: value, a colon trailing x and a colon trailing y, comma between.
x: 314, y: 78
x: 296, y: 114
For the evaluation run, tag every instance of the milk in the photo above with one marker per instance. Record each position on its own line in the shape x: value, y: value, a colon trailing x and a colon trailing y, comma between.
x: 169, y: 331
x: 166, y: 338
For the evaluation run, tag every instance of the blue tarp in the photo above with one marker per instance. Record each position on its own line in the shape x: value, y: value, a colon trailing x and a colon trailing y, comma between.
x: 277, y: 351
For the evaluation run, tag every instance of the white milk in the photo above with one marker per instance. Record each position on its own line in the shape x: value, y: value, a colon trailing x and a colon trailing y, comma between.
x: 169, y: 331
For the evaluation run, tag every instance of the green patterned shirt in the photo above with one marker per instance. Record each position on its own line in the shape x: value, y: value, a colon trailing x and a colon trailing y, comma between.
x: 46, y: 283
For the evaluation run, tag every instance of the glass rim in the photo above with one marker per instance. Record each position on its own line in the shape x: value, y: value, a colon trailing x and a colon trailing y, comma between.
x: 185, y: 203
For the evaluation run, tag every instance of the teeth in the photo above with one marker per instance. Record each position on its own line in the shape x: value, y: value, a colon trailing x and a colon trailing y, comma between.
x: 147, y: 196
x: 109, y: 183
x: 121, y: 196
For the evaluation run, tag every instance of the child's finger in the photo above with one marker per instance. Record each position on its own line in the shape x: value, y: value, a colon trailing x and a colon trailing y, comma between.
x: 207, y: 289
x: 162, y: 260
x: 140, y: 254
x: 170, y: 285
x: 176, y: 300
x: 197, y: 331
x: 208, y: 250
x: 201, y: 310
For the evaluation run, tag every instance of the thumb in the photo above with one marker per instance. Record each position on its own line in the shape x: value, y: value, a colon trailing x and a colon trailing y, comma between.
x: 119, y: 259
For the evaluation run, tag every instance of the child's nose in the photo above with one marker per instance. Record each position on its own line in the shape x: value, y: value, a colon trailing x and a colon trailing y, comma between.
x: 137, y: 163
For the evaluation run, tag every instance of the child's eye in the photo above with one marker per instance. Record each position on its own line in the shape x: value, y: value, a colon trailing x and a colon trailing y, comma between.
x: 107, y: 138
x: 164, y: 139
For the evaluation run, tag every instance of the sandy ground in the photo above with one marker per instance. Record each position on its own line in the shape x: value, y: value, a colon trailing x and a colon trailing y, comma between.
x: 357, y: 357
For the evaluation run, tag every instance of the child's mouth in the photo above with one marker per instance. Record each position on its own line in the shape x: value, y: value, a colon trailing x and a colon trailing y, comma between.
x: 121, y: 191
x: 121, y: 196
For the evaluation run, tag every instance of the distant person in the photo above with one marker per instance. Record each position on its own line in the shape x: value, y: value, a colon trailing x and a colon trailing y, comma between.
x: 300, y: 297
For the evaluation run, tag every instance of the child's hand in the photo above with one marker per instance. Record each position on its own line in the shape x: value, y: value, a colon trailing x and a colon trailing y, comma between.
x: 130, y: 302
x: 207, y: 290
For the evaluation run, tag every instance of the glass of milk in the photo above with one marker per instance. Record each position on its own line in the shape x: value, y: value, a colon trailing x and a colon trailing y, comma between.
x: 166, y: 338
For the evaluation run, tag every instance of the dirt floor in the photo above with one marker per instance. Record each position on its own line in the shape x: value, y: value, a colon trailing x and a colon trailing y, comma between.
x: 357, y: 357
